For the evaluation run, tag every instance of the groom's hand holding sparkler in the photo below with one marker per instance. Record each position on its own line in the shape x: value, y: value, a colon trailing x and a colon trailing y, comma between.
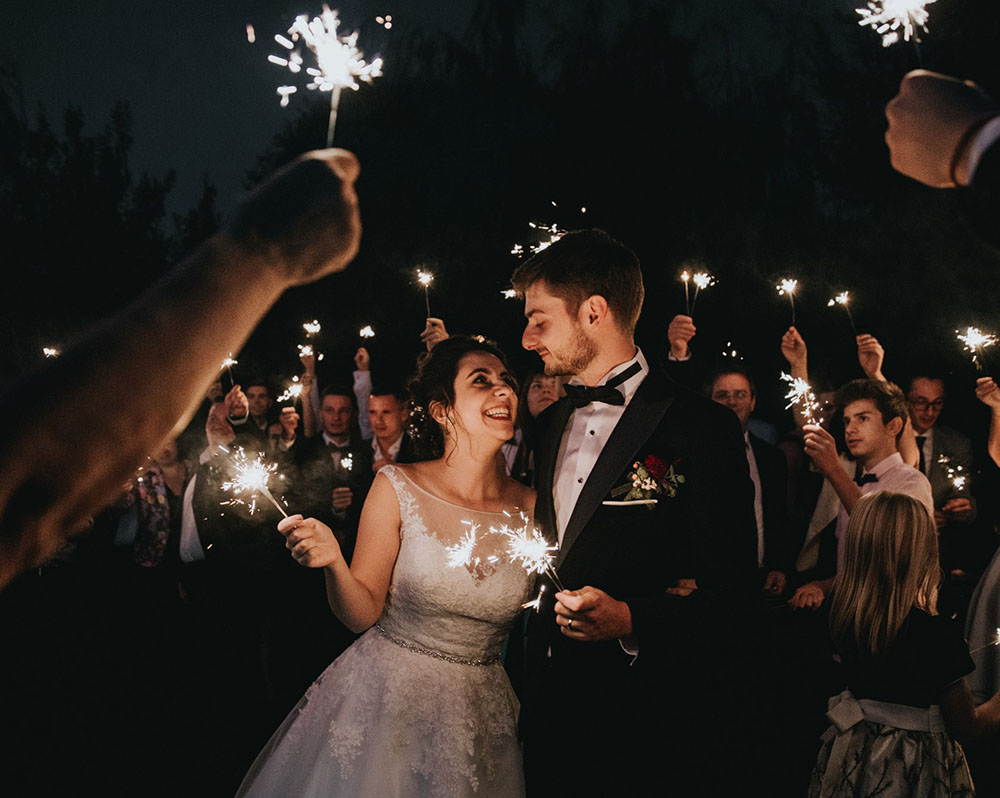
x: 591, y: 615
x: 303, y: 221
x: 932, y: 123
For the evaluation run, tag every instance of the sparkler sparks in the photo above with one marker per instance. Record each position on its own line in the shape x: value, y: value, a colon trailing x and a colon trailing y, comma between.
x: 293, y: 391
x: 366, y: 331
x: 843, y: 299
x: 701, y: 281
x: 990, y: 644
x: 800, y: 395
x: 509, y: 293
x: 250, y: 478
x: 555, y: 233
x: 50, y: 351
x: 384, y: 21
x: 339, y: 62
x: 312, y: 328
x: 975, y: 341
x: 787, y: 288
x: 461, y: 554
x: 958, y: 479
x: 425, y: 279
x: 889, y: 18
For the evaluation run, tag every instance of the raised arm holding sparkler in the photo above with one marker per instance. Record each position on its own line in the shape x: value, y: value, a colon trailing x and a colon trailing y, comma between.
x: 300, y: 224
x: 988, y: 393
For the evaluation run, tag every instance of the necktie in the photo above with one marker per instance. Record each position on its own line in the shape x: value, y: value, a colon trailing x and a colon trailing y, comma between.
x: 920, y: 448
x: 864, y: 479
x: 583, y: 395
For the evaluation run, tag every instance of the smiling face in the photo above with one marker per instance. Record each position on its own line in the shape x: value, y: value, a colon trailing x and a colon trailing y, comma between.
x: 868, y: 438
x: 734, y: 391
x: 336, y: 411
x: 926, y: 402
x: 557, y: 335
x: 485, y: 401
x: 386, y: 415
x: 259, y: 400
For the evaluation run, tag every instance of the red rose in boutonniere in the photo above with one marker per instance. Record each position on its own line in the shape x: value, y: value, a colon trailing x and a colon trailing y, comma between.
x: 648, y: 481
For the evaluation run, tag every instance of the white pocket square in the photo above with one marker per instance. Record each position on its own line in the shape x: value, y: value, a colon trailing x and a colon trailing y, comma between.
x: 647, y: 502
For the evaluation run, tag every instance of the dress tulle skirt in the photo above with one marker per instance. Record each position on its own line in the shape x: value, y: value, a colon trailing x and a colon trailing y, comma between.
x: 384, y: 720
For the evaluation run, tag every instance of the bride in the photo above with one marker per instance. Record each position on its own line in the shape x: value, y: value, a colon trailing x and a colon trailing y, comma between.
x: 420, y: 704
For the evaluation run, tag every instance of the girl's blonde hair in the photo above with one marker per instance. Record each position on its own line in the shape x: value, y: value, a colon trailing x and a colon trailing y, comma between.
x: 889, y: 566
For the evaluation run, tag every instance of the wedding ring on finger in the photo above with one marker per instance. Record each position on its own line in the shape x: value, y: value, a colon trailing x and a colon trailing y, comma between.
x: 569, y: 624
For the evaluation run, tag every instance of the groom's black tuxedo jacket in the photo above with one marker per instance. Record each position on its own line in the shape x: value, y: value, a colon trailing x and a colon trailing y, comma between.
x: 705, y: 532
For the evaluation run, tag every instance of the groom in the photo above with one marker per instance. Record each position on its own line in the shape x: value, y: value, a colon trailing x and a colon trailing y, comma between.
x: 645, y: 485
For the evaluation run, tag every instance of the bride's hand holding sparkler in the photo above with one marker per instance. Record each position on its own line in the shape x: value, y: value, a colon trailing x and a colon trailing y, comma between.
x: 311, y: 542
x: 303, y: 221
x: 932, y: 121
x: 591, y: 615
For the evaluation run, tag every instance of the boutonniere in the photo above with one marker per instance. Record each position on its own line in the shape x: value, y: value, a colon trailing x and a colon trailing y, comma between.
x: 648, y: 482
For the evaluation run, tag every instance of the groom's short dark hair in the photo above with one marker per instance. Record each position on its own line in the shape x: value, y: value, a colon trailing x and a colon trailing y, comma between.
x: 583, y: 263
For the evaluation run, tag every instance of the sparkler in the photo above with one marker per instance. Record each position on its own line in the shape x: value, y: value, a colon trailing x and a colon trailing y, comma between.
x: 889, y: 18
x: 508, y: 293
x: 555, y: 233
x: 842, y: 299
x: 366, y: 331
x: 958, y: 479
x: 988, y: 645
x: 228, y: 364
x: 339, y: 62
x: 50, y: 351
x: 787, y: 288
x: 976, y: 341
x: 312, y: 328
x: 250, y: 477
x: 293, y: 391
x: 730, y: 351
x: 425, y: 279
x: 701, y: 280
x: 528, y: 548
x: 385, y: 22
x: 347, y: 462
x: 800, y: 395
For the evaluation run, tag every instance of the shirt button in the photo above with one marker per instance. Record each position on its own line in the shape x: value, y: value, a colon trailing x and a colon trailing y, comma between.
x: 592, y: 432
x: 580, y: 480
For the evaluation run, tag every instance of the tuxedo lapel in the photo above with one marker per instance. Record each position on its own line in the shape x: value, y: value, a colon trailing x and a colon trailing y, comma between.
x: 545, y: 467
x: 637, y: 423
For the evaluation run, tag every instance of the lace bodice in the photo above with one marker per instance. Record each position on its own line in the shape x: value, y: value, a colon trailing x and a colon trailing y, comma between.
x: 453, y: 589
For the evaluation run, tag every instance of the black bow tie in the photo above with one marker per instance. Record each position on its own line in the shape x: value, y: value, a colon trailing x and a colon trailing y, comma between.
x: 583, y: 395
x: 864, y: 479
x: 332, y: 447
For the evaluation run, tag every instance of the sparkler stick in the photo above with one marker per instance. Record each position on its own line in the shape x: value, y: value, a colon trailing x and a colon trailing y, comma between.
x: 976, y: 341
x: 228, y: 364
x: 988, y: 645
x: 687, y: 300
x: 787, y: 288
x: 701, y: 280
x: 842, y: 299
x: 800, y: 395
x: 339, y: 62
x: 250, y: 477
x: 425, y: 279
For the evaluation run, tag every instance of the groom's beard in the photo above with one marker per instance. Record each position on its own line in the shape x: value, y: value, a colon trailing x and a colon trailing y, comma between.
x: 571, y: 363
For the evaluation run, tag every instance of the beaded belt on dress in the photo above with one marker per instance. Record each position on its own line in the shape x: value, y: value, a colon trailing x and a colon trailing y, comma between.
x: 436, y: 654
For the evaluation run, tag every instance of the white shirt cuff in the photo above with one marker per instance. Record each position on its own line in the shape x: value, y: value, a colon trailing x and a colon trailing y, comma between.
x: 983, y: 140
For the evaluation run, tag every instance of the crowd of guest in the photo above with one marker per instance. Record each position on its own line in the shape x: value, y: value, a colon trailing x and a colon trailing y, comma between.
x: 198, y: 632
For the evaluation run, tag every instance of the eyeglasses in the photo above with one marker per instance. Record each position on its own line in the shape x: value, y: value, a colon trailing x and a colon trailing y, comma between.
x: 923, y: 404
x: 722, y: 396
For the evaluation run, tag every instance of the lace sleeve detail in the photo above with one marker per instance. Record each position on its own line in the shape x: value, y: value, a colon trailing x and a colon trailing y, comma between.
x: 409, y: 515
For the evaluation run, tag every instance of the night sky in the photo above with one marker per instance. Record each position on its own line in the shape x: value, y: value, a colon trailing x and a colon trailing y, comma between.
x: 745, y: 136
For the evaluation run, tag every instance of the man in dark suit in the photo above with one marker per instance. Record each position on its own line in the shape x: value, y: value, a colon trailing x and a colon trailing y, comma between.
x: 645, y: 486
x: 333, y: 470
x: 387, y: 415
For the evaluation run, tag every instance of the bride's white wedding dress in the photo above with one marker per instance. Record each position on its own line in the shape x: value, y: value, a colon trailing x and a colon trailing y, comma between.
x: 420, y: 704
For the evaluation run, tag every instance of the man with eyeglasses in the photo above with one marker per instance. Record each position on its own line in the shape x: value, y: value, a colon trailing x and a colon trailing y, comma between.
x: 945, y: 457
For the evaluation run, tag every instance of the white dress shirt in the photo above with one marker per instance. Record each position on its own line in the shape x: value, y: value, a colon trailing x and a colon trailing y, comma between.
x: 584, y: 439
x: 758, y: 501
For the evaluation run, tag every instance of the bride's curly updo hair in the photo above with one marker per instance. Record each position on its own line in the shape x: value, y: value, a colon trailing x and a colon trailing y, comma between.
x: 435, y: 382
